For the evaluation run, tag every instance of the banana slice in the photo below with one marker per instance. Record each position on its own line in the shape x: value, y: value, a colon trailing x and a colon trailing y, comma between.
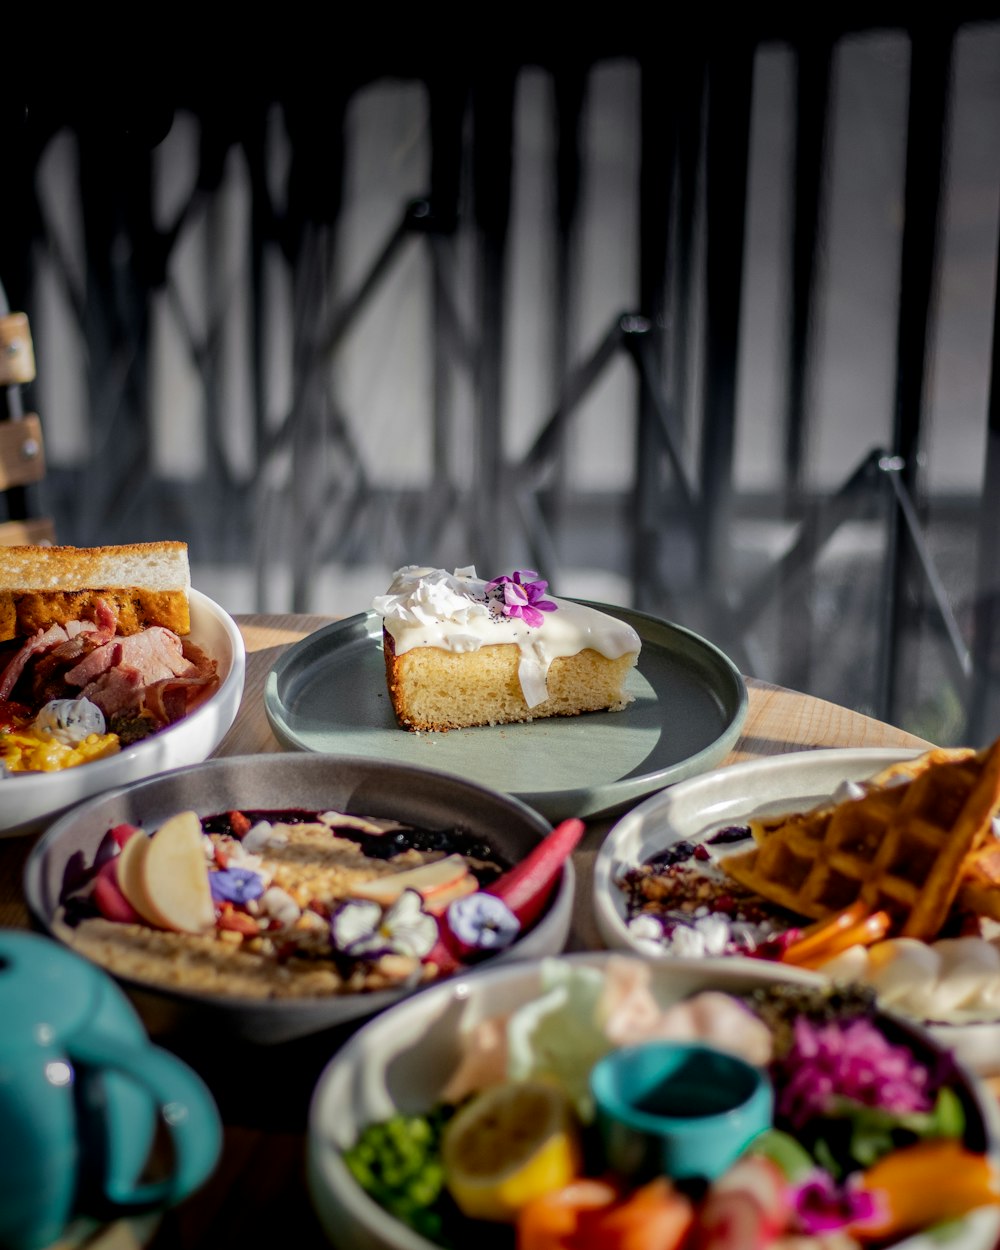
x: 904, y: 973
x: 970, y: 968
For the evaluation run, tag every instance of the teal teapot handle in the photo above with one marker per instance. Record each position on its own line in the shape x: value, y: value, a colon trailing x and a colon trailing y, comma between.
x: 186, y: 1108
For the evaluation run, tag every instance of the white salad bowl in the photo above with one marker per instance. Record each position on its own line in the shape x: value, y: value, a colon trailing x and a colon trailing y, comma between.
x: 30, y: 800
x: 401, y: 1060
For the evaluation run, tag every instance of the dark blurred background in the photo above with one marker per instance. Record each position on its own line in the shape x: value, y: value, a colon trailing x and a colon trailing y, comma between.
x: 701, y: 321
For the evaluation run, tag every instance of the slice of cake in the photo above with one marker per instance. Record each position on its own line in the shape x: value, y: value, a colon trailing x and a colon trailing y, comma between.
x: 460, y: 651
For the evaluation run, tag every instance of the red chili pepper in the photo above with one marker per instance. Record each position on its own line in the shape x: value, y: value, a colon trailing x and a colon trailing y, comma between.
x: 527, y: 886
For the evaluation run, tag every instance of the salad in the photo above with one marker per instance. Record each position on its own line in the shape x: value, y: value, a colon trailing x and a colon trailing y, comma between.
x: 870, y: 1141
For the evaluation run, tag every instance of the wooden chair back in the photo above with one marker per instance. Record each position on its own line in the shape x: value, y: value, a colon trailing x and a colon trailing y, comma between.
x: 22, y: 448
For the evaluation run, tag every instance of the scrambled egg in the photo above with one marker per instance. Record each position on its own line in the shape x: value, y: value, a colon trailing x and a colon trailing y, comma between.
x: 24, y: 750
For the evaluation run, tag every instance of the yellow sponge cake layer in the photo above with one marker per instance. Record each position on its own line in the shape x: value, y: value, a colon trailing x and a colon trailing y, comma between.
x: 454, y: 658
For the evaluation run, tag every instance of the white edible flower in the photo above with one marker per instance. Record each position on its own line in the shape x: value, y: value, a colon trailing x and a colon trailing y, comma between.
x: 240, y: 857
x: 715, y: 932
x: 687, y: 942
x: 647, y: 931
x: 709, y: 935
x: 360, y: 928
x: 70, y: 721
x: 262, y: 835
x: 279, y: 905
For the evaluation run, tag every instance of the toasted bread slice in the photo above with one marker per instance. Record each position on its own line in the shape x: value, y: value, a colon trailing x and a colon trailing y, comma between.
x: 145, y: 583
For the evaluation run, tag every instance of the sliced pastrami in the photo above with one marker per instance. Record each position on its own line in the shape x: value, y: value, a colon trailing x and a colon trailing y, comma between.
x: 38, y: 644
x: 156, y: 654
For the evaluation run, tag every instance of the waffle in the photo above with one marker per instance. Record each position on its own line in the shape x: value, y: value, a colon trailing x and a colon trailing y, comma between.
x: 901, y: 848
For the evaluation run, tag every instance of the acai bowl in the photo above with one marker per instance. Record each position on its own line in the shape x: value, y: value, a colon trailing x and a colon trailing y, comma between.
x: 303, y: 813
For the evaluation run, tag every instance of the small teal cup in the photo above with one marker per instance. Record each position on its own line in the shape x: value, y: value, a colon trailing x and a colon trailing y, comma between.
x: 677, y: 1109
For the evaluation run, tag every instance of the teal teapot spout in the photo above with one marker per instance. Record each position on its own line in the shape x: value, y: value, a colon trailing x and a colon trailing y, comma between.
x: 82, y: 1091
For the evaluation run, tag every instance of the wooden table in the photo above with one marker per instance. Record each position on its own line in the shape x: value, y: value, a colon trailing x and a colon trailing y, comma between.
x: 257, y: 1196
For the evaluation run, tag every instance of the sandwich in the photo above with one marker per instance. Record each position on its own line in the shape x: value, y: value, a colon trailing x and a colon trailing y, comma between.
x: 144, y: 584
x: 95, y: 636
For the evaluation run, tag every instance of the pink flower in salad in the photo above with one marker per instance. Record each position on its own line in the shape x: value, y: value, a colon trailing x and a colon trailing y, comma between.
x: 821, y: 1205
x: 523, y: 594
x: 847, y: 1061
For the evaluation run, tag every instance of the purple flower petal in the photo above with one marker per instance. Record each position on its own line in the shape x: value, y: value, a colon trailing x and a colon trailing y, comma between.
x: 523, y: 596
x: 235, y: 885
x: 822, y: 1206
x: 483, y: 921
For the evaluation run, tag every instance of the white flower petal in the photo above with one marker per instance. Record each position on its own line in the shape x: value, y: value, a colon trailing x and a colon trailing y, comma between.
x: 354, y: 921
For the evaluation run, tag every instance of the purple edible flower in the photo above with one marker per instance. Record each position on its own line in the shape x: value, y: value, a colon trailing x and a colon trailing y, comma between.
x: 822, y: 1206
x: 523, y: 593
x: 847, y: 1060
x: 235, y: 885
x: 483, y: 921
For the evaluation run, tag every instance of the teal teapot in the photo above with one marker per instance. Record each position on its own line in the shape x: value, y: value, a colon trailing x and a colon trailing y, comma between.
x: 82, y: 1092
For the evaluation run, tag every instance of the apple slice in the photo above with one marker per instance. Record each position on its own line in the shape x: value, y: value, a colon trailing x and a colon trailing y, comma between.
x: 427, y: 880
x: 173, y: 876
x: 129, y: 863
x: 110, y: 898
x: 438, y: 902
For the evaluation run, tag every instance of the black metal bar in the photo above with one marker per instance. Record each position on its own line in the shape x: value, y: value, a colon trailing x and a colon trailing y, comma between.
x: 730, y: 83
x: 691, y: 71
x: 492, y: 109
x: 818, y: 525
x: 813, y: 59
x: 313, y: 351
x: 812, y: 107
x: 984, y: 705
x: 658, y: 147
x: 570, y: 84
x: 664, y: 431
x: 957, y: 657
x: 930, y: 72
x: 447, y: 101
x: 537, y: 460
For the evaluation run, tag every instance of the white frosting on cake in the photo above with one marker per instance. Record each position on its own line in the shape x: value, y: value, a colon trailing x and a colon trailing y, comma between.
x: 433, y: 608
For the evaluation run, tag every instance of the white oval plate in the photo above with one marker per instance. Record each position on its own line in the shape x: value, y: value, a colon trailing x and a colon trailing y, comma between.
x: 28, y: 801
x: 400, y: 1059
x: 693, y: 810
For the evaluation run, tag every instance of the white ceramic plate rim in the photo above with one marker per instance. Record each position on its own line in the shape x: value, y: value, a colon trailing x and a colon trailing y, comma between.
x: 51, y: 792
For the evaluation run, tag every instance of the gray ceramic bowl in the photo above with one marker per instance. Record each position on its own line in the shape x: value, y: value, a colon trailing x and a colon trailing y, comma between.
x: 310, y: 782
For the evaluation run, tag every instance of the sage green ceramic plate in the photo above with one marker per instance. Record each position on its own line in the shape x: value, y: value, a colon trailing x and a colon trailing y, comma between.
x: 328, y: 694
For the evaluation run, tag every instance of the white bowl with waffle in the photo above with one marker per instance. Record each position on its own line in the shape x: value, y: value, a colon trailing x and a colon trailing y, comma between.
x: 932, y: 977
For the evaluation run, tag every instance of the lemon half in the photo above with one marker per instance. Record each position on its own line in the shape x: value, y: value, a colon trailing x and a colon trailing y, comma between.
x: 511, y: 1143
